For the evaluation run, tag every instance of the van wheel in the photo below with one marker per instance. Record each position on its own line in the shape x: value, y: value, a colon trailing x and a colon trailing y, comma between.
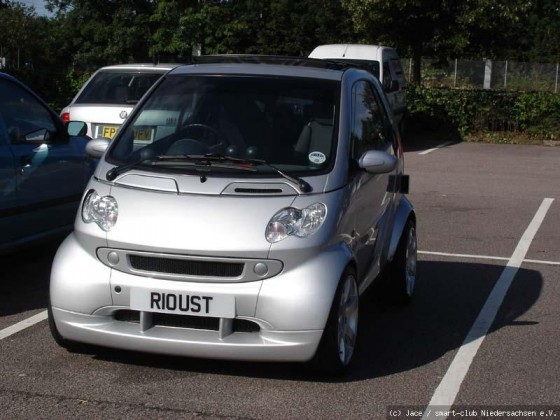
x: 339, y: 337
x: 401, y: 279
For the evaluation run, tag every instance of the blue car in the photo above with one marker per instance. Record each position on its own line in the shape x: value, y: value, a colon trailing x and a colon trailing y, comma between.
x: 43, y: 167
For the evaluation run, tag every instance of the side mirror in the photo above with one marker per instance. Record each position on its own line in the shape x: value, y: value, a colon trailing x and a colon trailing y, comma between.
x: 76, y: 128
x: 38, y: 136
x: 96, y: 147
x: 377, y: 162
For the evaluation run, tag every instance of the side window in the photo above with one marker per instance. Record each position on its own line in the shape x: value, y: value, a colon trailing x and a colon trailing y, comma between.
x: 386, y: 74
x: 370, y: 126
x: 26, y: 119
x: 396, y: 67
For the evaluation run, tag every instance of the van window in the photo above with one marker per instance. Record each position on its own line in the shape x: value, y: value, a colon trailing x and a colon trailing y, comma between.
x: 397, y: 67
x: 386, y: 74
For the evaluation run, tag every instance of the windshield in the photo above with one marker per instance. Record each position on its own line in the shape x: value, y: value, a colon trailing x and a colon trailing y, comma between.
x: 287, y: 122
x: 117, y: 87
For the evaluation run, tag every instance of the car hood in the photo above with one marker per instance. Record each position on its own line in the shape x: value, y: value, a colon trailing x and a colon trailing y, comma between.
x: 154, y: 216
x: 207, y: 183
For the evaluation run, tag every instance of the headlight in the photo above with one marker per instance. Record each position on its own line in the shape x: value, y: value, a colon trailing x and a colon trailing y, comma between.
x: 101, y: 210
x: 291, y: 221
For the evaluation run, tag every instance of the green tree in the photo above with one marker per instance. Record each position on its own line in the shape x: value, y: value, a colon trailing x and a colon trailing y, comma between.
x: 103, y: 32
x: 284, y: 27
x: 168, y: 38
x: 19, y: 32
x: 542, y: 32
x: 439, y: 28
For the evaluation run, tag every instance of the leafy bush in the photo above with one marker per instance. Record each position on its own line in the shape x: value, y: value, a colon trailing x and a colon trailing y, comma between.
x: 56, y: 88
x: 479, y: 111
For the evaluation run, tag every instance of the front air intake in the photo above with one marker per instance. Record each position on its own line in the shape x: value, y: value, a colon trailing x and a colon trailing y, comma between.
x: 185, y: 267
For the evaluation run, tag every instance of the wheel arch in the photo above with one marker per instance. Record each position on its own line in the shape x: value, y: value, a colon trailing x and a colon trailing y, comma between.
x: 300, y: 299
x: 404, y: 213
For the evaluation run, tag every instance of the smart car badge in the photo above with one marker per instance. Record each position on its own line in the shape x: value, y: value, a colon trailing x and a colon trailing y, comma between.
x: 123, y: 115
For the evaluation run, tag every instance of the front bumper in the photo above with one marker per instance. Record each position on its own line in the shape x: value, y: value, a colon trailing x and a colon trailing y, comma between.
x: 286, y: 314
x: 255, y: 346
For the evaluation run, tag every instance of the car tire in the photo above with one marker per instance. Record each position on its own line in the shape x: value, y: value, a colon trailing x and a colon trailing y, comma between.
x: 336, y: 349
x: 401, y: 276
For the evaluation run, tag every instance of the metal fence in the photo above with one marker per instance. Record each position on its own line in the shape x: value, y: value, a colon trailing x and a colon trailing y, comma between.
x: 488, y: 74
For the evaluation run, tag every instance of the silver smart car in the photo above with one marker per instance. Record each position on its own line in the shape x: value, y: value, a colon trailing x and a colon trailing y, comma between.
x: 240, y: 213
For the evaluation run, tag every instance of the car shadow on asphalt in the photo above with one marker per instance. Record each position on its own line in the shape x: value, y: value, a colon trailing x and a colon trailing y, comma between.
x: 418, y: 138
x: 24, y: 282
x: 391, y: 339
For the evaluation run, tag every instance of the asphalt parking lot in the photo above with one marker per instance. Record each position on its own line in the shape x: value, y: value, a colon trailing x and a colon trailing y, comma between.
x: 482, y: 331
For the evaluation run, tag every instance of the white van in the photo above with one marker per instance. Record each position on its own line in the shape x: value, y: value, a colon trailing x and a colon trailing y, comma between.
x: 383, y: 62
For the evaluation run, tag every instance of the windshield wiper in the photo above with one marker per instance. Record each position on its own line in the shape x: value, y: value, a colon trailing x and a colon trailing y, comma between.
x: 302, y: 184
x: 117, y: 170
x: 209, y: 159
x: 168, y: 160
x: 200, y: 161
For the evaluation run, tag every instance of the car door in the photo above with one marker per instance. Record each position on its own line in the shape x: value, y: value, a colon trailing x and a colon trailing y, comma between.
x: 49, y: 169
x: 8, y: 198
x: 372, y: 193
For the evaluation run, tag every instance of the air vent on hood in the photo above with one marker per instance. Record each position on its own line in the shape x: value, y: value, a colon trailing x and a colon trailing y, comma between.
x: 259, y: 188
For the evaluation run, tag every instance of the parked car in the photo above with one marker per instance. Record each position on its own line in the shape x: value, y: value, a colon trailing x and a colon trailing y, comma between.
x: 383, y: 62
x: 109, y: 95
x: 267, y: 197
x: 43, y: 168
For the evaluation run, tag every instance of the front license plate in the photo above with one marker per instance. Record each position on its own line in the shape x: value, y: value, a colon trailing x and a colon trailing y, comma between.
x: 182, y: 303
x: 109, y: 131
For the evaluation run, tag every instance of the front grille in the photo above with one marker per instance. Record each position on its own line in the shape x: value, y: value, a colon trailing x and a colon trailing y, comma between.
x: 185, y: 267
x: 242, y: 325
x: 186, y: 321
x: 127, y: 316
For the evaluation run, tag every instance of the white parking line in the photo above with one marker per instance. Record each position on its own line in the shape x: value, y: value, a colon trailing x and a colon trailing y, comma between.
x: 478, y: 257
x: 441, y: 146
x: 445, y: 394
x: 485, y: 257
x: 6, y: 332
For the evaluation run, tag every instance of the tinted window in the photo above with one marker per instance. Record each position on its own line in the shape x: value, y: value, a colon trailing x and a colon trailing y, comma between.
x: 370, y: 126
x: 117, y: 87
x: 397, y: 67
x: 23, y: 115
x: 386, y: 74
x: 288, y: 122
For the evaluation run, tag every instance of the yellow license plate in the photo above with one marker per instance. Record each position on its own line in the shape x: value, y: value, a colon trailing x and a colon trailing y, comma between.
x: 109, y: 131
x: 144, y: 134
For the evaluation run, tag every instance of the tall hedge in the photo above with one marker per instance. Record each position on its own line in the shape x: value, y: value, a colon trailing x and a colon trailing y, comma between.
x: 474, y: 111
